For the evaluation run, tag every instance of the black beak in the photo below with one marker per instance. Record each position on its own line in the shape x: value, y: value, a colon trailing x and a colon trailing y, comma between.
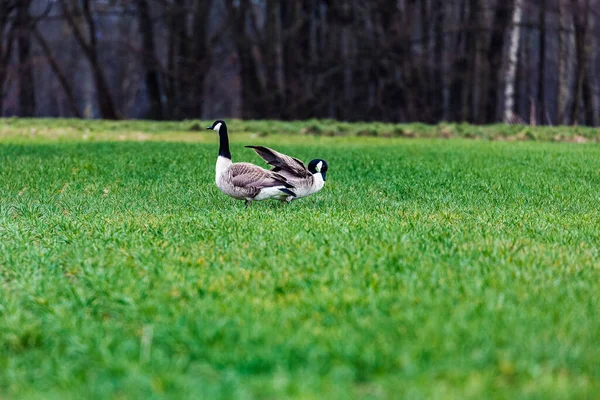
x: 209, y: 128
x: 324, y: 176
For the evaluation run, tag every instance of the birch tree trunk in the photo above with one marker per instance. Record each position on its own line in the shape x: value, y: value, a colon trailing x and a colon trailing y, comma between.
x: 509, y: 93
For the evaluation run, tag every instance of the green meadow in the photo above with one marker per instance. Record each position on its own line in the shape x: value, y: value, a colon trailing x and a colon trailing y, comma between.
x: 425, y: 268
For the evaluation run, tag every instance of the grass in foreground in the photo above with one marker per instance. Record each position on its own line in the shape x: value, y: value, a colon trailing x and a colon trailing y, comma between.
x: 425, y: 268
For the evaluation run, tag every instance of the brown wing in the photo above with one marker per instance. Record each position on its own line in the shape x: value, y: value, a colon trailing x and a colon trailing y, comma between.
x: 281, y: 161
x: 250, y: 175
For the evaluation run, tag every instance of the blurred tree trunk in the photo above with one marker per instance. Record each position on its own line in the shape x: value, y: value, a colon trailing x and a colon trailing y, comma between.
x: 541, y: 92
x: 334, y: 86
x: 238, y: 17
x: 513, y: 53
x: 90, y: 50
x: 24, y: 25
x: 564, y: 43
x: 469, y: 106
x: 438, y: 69
x: 297, y: 67
x: 592, y: 65
x: 178, y: 80
x: 124, y: 61
x: 521, y: 80
x: 459, y: 68
x: 398, y: 74
x: 197, y: 60
x: 173, y: 15
x: 60, y: 75
x: 428, y: 111
x: 583, y: 91
x: 589, y: 51
x: 307, y: 102
x: 413, y: 62
x: 495, y: 55
x: 149, y: 60
x: 527, y: 100
x: 271, y: 54
x: 347, y: 109
x: 7, y: 36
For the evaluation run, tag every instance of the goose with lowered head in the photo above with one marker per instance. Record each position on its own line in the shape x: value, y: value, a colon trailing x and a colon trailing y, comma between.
x: 306, y: 180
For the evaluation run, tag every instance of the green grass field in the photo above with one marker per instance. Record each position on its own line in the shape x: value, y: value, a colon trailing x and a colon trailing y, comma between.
x: 425, y: 268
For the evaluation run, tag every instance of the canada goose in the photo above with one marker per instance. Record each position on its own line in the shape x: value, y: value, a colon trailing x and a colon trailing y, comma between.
x: 246, y: 181
x: 305, y: 180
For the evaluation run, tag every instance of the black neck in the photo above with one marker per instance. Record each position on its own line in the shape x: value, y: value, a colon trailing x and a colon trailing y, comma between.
x: 224, y: 143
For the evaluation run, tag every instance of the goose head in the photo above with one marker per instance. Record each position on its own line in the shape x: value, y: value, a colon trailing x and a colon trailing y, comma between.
x: 217, y: 125
x: 318, y: 166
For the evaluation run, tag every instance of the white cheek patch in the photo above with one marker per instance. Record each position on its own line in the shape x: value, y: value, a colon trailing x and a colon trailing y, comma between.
x: 217, y: 127
x: 319, y: 166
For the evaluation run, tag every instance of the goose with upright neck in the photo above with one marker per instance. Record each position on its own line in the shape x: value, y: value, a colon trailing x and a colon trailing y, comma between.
x: 307, y: 180
x: 246, y: 181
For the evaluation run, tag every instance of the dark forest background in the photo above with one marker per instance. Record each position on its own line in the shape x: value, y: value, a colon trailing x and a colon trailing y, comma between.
x: 481, y: 61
